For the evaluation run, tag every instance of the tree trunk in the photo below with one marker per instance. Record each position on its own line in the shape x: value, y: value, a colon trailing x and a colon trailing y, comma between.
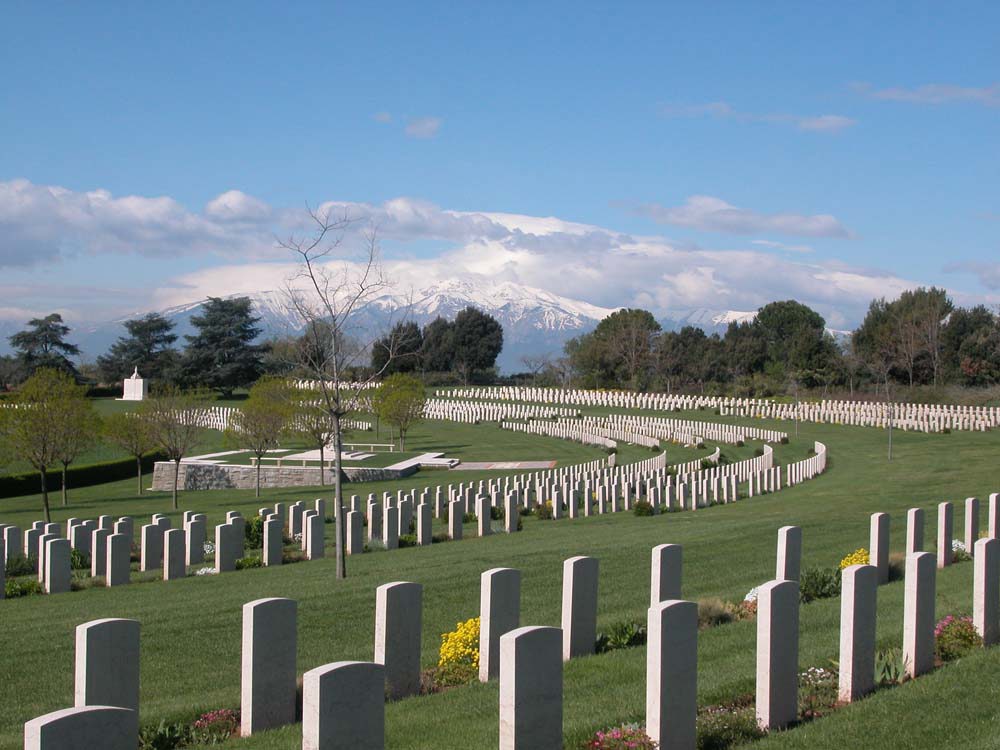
x: 65, y: 502
x: 257, y: 487
x: 173, y: 493
x: 338, y: 494
x: 322, y: 467
x: 138, y: 472
x: 45, y: 494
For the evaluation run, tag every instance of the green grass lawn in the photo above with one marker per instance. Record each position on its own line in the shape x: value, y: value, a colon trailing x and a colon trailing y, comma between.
x: 191, y: 628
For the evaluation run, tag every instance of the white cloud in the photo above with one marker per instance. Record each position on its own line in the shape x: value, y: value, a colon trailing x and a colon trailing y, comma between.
x: 623, y: 271
x: 782, y: 246
x: 382, y: 117
x: 234, y: 205
x: 711, y: 214
x: 934, y: 93
x: 233, y: 237
x: 724, y: 110
x: 40, y: 223
x: 987, y: 273
x: 423, y: 127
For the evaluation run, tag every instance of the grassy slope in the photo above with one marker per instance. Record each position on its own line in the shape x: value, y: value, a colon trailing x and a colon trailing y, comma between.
x: 727, y: 551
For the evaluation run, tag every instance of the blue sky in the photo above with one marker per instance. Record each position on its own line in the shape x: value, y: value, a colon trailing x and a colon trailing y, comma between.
x: 746, y: 151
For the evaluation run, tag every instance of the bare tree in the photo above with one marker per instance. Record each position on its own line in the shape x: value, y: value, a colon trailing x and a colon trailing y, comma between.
x: 34, y: 425
x: 331, y: 286
x: 172, y: 418
x: 79, y: 428
x: 129, y: 432
x: 263, y: 420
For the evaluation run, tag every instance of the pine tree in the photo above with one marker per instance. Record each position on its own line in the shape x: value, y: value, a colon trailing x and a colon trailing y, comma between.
x: 222, y: 355
x: 147, y: 347
x: 43, y: 345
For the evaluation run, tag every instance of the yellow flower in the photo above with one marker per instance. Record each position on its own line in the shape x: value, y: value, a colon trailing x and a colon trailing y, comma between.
x: 858, y: 557
x: 461, y: 645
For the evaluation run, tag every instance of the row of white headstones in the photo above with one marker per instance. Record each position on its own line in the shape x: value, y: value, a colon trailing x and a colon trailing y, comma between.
x: 108, y: 543
x: 343, y: 702
x: 926, y: 417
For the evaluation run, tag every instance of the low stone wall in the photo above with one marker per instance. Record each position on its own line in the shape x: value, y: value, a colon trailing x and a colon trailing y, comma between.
x: 227, y: 476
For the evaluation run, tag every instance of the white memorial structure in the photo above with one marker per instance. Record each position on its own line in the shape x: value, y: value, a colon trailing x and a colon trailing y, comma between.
x: 136, y: 388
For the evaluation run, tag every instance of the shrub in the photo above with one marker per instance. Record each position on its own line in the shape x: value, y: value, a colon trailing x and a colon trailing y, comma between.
x: 784, y: 440
x: 889, y: 667
x: 217, y: 726
x: 254, y: 532
x: 496, y: 513
x: 817, y: 692
x: 469, y: 518
x: 452, y: 675
x: 858, y: 557
x: 441, y: 536
x: 292, y: 556
x: 713, y: 611
x: 958, y: 551
x: 758, y: 452
x: 745, y: 610
x: 407, y: 540
x: 78, y: 560
x: 954, y: 637
x: 819, y: 583
x: 84, y: 475
x: 625, y: 737
x: 16, y: 587
x: 706, y: 464
x: 740, y: 443
x: 624, y: 634
x: 721, y: 727
x: 19, y: 565
x: 245, y: 563
x: 461, y: 645
x: 643, y: 508
x: 544, y: 511
x: 164, y: 736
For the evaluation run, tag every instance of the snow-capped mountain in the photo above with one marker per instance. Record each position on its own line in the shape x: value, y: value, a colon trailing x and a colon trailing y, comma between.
x: 534, y: 321
x: 711, y: 321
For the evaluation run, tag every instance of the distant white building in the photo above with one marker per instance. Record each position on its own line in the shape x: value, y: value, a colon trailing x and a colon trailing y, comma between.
x: 136, y: 388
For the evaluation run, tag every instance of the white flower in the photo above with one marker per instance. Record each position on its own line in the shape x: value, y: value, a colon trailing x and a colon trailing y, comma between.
x: 957, y: 545
x: 205, y: 572
x: 209, y: 548
x: 751, y: 595
x: 297, y: 538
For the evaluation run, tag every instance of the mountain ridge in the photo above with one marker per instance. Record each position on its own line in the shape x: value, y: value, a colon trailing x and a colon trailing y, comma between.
x: 535, y: 321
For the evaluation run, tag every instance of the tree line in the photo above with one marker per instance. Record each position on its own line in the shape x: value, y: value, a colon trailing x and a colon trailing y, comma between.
x: 224, y: 353
x: 920, y: 338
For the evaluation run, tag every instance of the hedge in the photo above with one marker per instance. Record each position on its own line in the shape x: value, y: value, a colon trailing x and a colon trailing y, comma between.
x: 87, y: 475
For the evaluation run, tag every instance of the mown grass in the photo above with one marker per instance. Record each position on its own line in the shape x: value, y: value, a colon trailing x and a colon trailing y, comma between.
x: 191, y: 628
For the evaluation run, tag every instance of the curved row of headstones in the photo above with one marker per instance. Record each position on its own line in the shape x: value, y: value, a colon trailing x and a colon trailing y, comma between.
x: 917, y: 417
x: 480, y: 411
x: 923, y: 417
x: 343, y: 702
x: 688, y: 430
x: 572, y: 491
x: 586, y: 433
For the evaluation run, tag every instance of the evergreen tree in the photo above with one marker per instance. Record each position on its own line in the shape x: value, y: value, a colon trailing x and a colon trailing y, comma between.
x: 437, y: 352
x: 222, y: 355
x: 478, y: 339
x: 399, y: 350
x: 43, y: 345
x: 146, y: 347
